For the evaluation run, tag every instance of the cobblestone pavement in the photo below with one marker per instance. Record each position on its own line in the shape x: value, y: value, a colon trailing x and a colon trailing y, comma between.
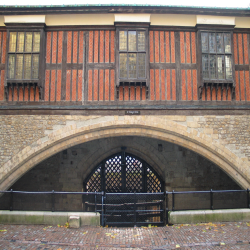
x: 234, y: 235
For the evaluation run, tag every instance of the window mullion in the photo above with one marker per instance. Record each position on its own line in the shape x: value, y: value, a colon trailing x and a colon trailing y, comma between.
x: 23, y: 66
x: 137, y: 74
x: 15, y: 56
x: 24, y: 46
x: 31, y: 66
x: 31, y: 56
x: 127, y: 54
x: 208, y: 64
x: 127, y: 66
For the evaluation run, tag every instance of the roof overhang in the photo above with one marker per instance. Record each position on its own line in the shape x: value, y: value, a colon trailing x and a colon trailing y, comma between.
x: 119, y: 9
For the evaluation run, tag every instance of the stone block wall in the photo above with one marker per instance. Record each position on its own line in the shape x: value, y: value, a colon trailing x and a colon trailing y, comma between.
x: 180, y: 168
x: 22, y: 135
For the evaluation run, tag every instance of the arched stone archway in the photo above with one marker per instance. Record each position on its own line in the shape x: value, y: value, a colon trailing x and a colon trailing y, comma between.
x: 124, y: 172
x: 104, y: 127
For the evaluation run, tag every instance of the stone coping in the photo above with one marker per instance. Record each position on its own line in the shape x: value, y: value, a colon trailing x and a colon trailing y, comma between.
x: 205, y: 216
x: 47, y: 218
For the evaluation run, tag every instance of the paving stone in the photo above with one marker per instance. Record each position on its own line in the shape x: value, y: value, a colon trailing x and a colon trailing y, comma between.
x: 230, y: 235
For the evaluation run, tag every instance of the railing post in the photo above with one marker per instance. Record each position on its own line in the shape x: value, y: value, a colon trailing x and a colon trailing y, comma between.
x: 173, y: 200
x: 165, y: 208
x: 53, y: 201
x: 211, y: 200
x: 135, y: 208
x: 95, y: 201
x: 11, y: 200
x: 102, y: 209
x: 248, y: 204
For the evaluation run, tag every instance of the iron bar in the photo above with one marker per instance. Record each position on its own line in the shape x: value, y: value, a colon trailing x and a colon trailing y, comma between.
x: 165, y: 208
x: 11, y: 200
x: 95, y: 202
x: 53, y: 201
x: 173, y: 200
x: 47, y: 192
x: 102, y: 210
x: 134, y: 207
x: 248, y: 204
x: 214, y: 191
x: 140, y: 209
x: 211, y: 200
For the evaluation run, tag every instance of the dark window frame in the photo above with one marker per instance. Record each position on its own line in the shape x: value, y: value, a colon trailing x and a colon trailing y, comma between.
x: 27, y: 28
x: 132, y: 27
x: 215, y: 29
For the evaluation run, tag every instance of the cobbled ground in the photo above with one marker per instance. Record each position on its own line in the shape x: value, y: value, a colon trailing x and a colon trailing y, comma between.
x: 231, y: 235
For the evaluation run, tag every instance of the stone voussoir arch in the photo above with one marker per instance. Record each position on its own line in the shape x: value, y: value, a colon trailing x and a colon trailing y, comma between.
x: 153, y: 127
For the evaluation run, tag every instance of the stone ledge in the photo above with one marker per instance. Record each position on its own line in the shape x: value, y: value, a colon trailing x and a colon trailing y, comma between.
x: 201, y: 216
x: 47, y: 218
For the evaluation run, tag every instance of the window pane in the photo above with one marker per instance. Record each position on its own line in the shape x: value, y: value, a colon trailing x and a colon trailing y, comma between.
x: 19, y: 66
x: 141, y: 65
x: 123, y: 40
x: 141, y: 41
x: 36, y: 42
x: 28, y: 42
x: 123, y: 65
x: 132, y: 65
x: 204, y: 42
x: 220, y: 63
x: 205, y: 71
x: 219, y: 42
x: 11, y: 67
x: 20, y: 42
x: 212, y: 67
x: 12, y: 43
x: 228, y: 67
x: 27, y: 66
x: 212, y: 44
x: 132, y: 40
x: 227, y: 42
x: 35, y: 68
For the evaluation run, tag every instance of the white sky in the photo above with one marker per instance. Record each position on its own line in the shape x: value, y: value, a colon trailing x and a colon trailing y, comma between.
x: 210, y: 3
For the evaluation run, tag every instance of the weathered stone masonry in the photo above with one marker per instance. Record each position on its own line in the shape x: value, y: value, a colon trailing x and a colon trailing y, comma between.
x: 23, y: 135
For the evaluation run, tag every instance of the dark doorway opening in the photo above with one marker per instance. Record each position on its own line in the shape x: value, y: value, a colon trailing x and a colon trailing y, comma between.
x: 124, y: 173
x: 133, y: 191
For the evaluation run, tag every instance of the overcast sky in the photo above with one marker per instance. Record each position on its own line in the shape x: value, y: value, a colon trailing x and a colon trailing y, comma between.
x: 208, y: 3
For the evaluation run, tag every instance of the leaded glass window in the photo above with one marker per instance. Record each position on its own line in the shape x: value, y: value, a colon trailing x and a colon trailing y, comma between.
x: 132, y: 54
x: 23, y: 55
x: 216, y: 56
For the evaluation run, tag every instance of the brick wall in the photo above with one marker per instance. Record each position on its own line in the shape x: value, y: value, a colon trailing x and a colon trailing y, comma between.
x: 64, y: 66
x: 188, y: 47
x: 241, y: 58
x: 162, y: 76
x: 100, y: 65
x: 188, y: 58
x: 80, y: 67
x: 173, y: 66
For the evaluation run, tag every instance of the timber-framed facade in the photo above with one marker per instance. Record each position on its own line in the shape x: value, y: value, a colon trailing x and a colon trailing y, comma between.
x: 168, y: 85
x: 80, y: 62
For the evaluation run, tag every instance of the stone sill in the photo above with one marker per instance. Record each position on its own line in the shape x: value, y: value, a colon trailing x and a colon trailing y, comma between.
x: 205, y: 216
x: 47, y: 218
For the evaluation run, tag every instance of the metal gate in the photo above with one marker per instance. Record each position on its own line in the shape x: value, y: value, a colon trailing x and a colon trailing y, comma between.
x: 130, y: 209
x: 133, y: 191
x: 124, y: 173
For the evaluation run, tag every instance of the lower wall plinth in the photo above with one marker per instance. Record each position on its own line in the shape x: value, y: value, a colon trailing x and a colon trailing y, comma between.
x: 47, y: 218
x: 205, y: 216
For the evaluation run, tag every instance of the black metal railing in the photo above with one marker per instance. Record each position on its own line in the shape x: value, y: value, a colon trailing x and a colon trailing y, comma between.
x: 213, y: 199
x: 125, y: 208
